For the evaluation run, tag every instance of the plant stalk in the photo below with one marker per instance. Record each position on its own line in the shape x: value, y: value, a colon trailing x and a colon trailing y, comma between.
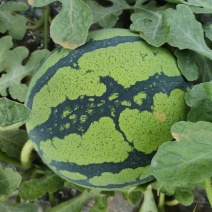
x: 161, y: 202
x: 26, y: 158
x: 208, y: 190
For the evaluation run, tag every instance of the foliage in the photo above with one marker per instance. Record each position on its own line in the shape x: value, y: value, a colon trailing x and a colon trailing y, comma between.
x: 184, y: 27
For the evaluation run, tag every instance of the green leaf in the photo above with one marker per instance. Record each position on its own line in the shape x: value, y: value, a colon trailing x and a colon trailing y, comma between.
x: 9, y: 181
x: 70, y: 27
x: 100, y: 204
x: 199, y: 6
x: 149, y: 202
x: 133, y: 196
x: 201, y: 111
x: 204, y: 66
x: 12, y: 114
x: 208, y: 31
x: 163, y: 188
x: 15, y: 72
x: 40, y: 3
x: 14, y: 24
x: 186, y: 32
x: 187, y: 64
x: 6, y: 44
x: 107, y: 16
x: 149, y: 22
x: 12, y: 142
x: 21, y: 207
x: 77, y: 203
x: 185, y: 197
x: 199, y: 93
x: 189, y: 159
x: 34, y: 188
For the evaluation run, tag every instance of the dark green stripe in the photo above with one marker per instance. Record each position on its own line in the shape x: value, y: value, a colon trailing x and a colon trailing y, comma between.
x: 72, y: 59
x: 162, y: 83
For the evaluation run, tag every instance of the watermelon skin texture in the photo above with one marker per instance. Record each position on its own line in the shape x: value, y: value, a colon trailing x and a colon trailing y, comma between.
x: 100, y: 112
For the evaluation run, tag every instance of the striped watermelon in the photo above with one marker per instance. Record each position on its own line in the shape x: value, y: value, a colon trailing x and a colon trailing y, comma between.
x: 101, y: 111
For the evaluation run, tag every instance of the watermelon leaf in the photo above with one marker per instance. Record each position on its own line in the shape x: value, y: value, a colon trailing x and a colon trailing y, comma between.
x: 200, y: 101
x: 12, y: 142
x: 34, y: 188
x: 187, y: 64
x: 189, y: 156
x: 14, y: 72
x: 77, y: 203
x: 149, y: 202
x: 208, y: 31
x: 9, y: 181
x: 149, y: 22
x: 6, y: 44
x: 100, y: 203
x: 186, y: 32
x: 184, y: 196
x: 107, y: 16
x: 12, y: 114
x: 14, y: 24
x: 20, y: 207
x: 70, y: 27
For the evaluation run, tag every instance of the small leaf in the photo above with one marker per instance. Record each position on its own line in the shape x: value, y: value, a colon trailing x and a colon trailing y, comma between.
x: 12, y: 142
x: 14, y: 24
x: 20, y: 207
x: 208, y: 31
x: 34, y: 188
x: 149, y: 22
x: 40, y: 3
x: 100, y: 204
x: 186, y: 32
x: 149, y: 202
x: 70, y: 27
x: 77, y: 203
x: 187, y: 161
x: 9, y: 181
x: 6, y: 44
x: 187, y: 64
x: 199, y: 93
x: 12, y: 114
x: 163, y: 188
x: 15, y: 72
x: 107, y: 16
x: 204, y: 66
x: 202, y: 111
x: 185, y: 197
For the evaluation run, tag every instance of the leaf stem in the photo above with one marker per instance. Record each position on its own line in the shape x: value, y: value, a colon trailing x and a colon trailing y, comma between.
x: 46, y: 26
x: 208, y: 190
x: 37, y: 25
x: 51, y: 198
x: 5, y: 158
x: 161, y: 202
x: 172, y: 202
x: 26, y: 158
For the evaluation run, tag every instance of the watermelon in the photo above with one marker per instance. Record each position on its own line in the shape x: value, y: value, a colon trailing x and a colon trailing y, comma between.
x: 100, y: 112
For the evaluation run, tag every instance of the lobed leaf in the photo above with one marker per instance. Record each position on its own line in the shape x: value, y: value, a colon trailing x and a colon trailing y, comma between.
x: 12, y: 142
x: 6, y: 44
x: 70, y: 27
x: 149, y: 22
x: 15, y: 72
x: 14, y: 24
x: 185, y: 197
x: 186, y: 32
x: 188, y: 159
x: 9, y: 181
x: 208, y: 31
x: 107, y: 16
x: 12, y: 114
x: 77, y: 203
x: 100, y: 204
x: 20, y: 207
x: 35, y: 188
x: 187, y: 64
